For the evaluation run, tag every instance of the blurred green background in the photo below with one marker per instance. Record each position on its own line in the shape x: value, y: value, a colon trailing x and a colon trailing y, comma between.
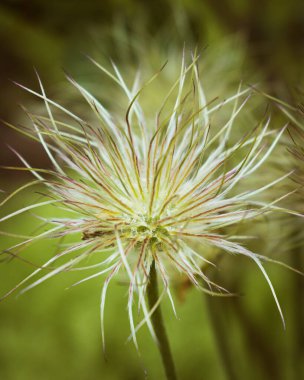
x: 53, y: 333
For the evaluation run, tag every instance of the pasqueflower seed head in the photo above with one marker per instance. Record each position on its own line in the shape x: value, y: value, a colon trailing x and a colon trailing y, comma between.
x: 139, y: 187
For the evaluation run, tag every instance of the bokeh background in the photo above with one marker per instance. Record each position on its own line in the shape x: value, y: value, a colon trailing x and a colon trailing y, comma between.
x: 53, y: 333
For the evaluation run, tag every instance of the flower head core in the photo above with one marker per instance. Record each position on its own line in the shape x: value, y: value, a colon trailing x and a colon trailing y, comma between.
x: 142, y: 187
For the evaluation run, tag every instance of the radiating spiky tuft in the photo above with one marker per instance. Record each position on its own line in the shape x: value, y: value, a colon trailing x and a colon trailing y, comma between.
x: 140, y: 187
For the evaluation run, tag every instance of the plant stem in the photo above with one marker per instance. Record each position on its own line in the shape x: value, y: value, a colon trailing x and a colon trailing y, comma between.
x: 256, y: 342
x: 159, y: 327
x: 220, y: 337
x: 298, y: 312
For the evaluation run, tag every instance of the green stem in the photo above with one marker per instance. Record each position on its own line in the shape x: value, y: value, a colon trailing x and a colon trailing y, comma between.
x: 220, y: 337
x: 159, y: 327
x: 298, y: 312
x: 256, y: 343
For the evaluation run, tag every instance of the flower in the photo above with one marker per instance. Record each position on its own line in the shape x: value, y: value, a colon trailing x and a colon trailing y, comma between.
x: 139, y: 189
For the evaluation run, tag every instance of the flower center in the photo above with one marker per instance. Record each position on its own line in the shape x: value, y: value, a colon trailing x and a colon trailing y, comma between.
x: 145, y: 228
x: 140, y: 229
